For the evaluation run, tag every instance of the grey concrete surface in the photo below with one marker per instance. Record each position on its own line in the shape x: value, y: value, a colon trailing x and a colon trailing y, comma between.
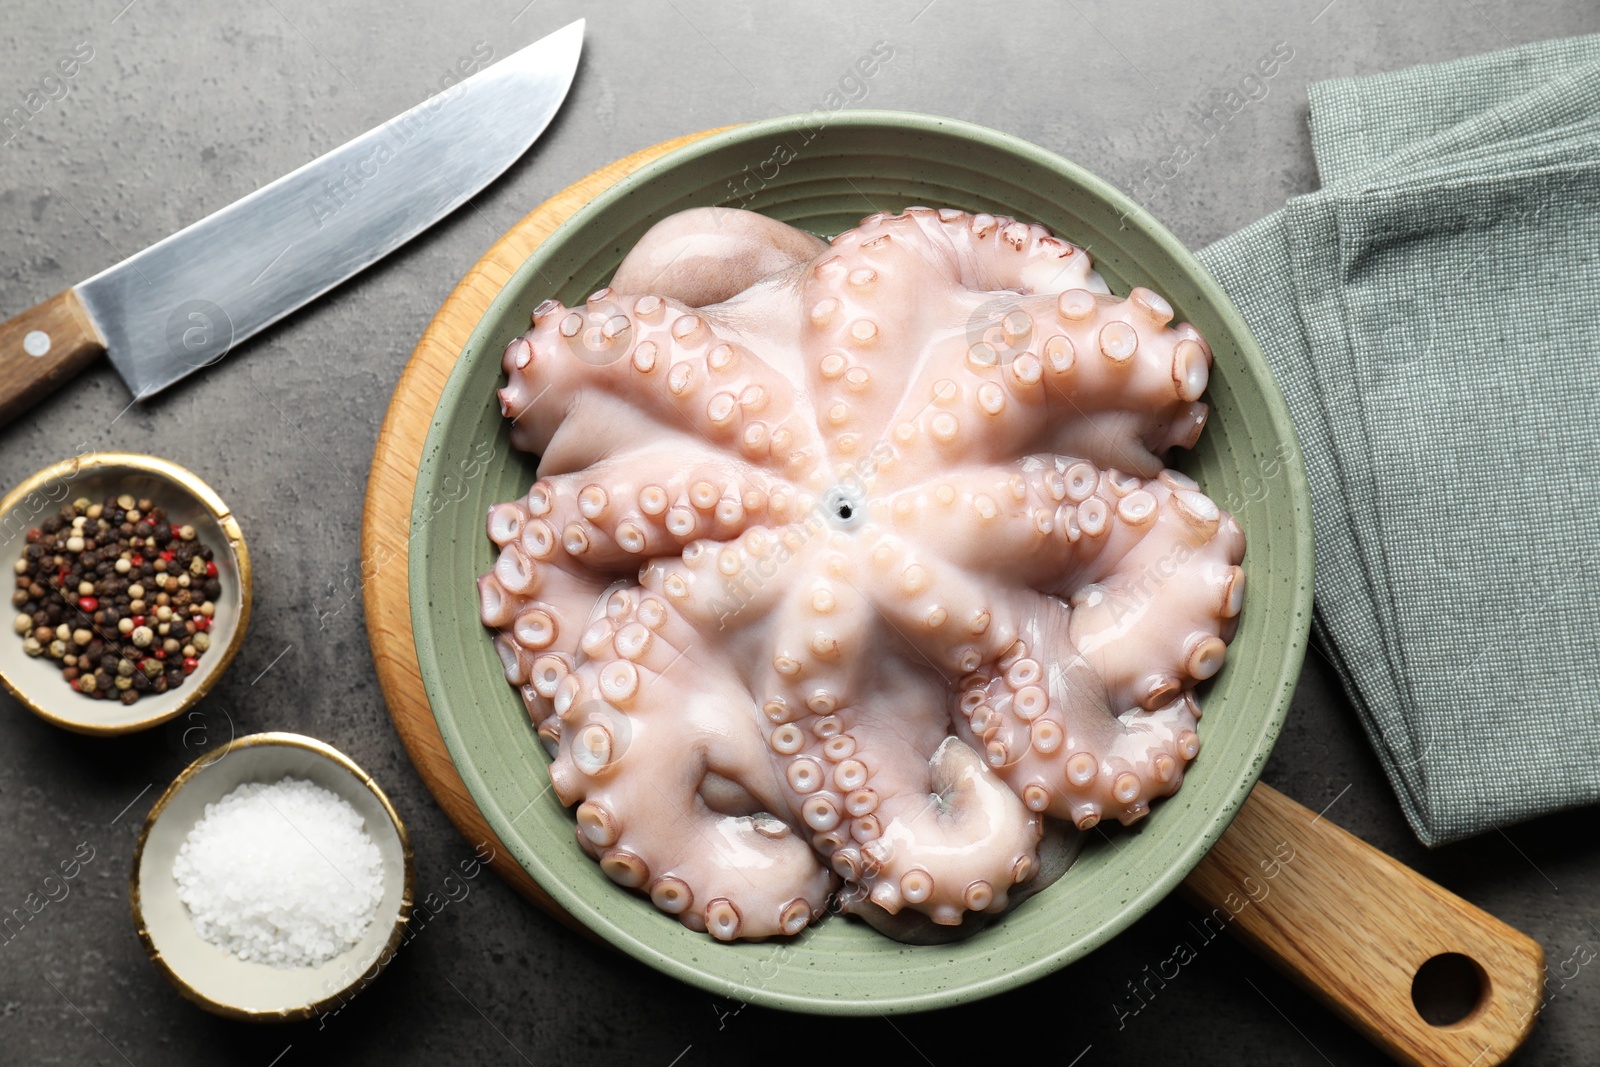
x: 185, y: 107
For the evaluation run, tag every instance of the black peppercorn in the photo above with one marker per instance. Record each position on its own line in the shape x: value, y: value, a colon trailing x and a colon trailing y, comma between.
x: 76, y: 571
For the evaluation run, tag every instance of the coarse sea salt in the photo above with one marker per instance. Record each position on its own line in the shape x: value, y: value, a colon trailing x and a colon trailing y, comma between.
x: 281, y: 873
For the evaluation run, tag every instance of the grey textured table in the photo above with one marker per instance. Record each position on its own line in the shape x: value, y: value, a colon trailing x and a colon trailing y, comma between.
x: 185, y: 107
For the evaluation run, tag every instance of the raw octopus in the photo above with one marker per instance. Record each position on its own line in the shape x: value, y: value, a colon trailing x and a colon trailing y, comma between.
x: 856, y: 560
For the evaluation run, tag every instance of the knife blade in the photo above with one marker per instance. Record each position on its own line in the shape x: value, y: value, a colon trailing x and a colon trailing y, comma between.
x: 184, y: 302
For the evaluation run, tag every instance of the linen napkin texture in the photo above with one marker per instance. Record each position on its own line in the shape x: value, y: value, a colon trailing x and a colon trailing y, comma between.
x: 1433, y: 317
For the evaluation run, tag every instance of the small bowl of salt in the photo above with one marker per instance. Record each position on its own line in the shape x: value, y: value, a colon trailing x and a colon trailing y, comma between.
x: 273, y: 879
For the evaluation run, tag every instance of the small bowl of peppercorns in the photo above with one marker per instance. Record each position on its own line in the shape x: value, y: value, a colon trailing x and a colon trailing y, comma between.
x: 130, y: 591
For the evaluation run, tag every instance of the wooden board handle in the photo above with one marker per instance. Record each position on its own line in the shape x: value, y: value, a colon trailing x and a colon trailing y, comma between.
x: 1354, y: 926
x: 40, y: 349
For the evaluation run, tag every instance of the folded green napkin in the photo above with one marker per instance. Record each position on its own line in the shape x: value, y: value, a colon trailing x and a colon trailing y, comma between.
x: 1433, y: 316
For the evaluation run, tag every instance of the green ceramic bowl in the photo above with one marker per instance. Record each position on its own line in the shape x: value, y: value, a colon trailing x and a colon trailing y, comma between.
x: 862, y: 162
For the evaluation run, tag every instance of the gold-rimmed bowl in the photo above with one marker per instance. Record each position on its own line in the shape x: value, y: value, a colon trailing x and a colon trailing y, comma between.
x: 212, y: 977
x: 37, y: 682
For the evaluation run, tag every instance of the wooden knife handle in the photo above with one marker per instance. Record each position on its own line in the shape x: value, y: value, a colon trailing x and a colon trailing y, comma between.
x: 41, y: 348
x: 1353, y: 926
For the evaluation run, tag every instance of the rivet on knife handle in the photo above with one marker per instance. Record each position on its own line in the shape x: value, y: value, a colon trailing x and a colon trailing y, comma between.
x: 1355, y: 926
x: 41, y: 348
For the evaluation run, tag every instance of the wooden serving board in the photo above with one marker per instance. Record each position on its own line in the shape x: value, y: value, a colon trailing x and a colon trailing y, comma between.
x: 1347, y: 922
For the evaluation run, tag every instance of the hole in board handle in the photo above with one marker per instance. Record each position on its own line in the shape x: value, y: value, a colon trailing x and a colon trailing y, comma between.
x: 1449, y: 988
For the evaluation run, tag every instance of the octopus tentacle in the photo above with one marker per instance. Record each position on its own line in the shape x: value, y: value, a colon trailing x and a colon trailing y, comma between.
x: 674, y: 792
x: 1076, y: 373
x: 994, y: 252
x: 1159, y: 618
x: 938, y: 609
x: 1045, y: 340
x: 1151, y: 566
x: 1130, y: 382
x: 578, y: 379
x: 644, y: 504
x: 1046, y: 724
x: 873, y: 292
x: 537, y: 596
x: 721, y: 586
x: 957, y: 845
x: 1018, y: 523
x: 898, y: 807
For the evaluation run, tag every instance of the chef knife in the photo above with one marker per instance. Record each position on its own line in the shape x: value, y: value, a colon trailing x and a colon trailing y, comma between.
x: 182, y: 303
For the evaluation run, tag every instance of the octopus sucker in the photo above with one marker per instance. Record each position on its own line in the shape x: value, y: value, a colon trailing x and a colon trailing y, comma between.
x: 858, y: 563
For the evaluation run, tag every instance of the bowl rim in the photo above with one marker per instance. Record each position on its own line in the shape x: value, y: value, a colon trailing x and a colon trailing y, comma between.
x: 191, y: 483
x: 1195, y: 848
x: 286, y: 739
